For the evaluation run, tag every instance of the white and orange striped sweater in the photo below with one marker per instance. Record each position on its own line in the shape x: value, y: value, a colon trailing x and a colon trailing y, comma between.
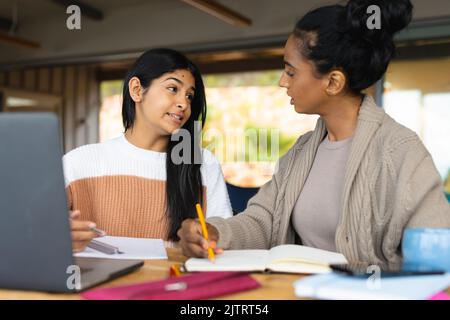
x: 121, y: 188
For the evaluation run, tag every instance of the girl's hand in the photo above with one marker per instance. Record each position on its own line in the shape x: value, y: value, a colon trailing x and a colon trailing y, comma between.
x: 81, y: 231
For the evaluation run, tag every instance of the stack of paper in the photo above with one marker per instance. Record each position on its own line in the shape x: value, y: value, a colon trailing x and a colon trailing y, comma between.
x: 342, y: 287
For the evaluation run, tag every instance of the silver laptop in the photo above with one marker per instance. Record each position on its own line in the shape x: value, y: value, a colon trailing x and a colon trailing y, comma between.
x: 35, y: 238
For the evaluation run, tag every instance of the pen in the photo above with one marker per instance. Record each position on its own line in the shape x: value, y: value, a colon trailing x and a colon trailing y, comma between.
x: 211, y: 255
x: 103, y: 247
x: 99, y: 232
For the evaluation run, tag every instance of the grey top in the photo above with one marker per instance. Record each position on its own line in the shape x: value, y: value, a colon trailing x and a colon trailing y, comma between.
x: 316, y: 213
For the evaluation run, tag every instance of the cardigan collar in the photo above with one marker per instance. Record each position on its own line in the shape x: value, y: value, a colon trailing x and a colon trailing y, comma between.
x: 368, y: 112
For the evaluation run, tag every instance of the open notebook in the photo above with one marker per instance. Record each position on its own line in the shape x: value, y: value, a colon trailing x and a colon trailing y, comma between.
x: 284, y: 258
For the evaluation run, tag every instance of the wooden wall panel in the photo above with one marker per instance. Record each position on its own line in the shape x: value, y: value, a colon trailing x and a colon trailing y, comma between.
x: 93, y: 104
x: 79, y: 88
x: 43, y: 80
x: 57, y: 83
x: 69, y: 108
x: 14, y: 79
x: 80, y: 106
x: 30, y: 80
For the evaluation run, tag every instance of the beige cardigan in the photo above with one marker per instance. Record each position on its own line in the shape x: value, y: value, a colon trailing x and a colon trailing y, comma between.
x: 390, y: 184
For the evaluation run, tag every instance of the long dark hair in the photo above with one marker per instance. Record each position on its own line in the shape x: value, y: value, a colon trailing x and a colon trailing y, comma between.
x: 337, y: 37
x: 184, y: 181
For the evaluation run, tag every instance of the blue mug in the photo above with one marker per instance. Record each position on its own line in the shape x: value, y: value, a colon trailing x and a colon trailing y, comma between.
x: 426, y: 249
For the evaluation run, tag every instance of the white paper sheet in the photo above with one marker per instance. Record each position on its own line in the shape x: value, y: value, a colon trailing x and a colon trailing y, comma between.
x: 132, y: 248
x: 341, y: 287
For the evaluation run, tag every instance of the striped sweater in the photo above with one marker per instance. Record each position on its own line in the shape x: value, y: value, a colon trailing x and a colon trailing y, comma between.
x: 121, y: 188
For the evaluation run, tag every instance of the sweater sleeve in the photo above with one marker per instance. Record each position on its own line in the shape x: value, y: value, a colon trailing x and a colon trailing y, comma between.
x: 217, y: 199
x: 425, y: 198
x: 417, y: 195
x: 253, y: 227
x: 67, y: 178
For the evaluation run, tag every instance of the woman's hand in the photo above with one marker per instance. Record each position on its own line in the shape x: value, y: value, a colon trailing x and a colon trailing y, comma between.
x: 192, y: 241
x: 81, y: 231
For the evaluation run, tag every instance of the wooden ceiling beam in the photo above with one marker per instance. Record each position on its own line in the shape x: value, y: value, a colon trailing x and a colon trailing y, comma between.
x: 219, y: 11
x: 17, y: 41
x: 86, y: 9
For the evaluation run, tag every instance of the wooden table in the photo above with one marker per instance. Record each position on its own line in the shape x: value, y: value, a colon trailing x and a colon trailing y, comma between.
x: 274, y: 286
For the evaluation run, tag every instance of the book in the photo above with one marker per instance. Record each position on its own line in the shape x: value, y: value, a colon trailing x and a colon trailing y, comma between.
x: 343, y: 287
x: 130, y: 249
x: 284, y: 258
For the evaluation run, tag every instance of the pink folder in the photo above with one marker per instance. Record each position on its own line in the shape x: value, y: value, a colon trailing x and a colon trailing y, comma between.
x: 440, y: 296
x: 200, y: 285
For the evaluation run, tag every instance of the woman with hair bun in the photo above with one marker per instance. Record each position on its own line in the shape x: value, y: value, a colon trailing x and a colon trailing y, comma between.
x: 359, y: 179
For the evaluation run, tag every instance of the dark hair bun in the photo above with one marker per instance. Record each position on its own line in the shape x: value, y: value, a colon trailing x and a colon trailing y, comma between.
x: 339, y: 36
x: 395, y: 15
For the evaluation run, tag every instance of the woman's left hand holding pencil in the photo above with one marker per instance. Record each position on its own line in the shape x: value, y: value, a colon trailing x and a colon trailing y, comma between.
x: 193, y: 242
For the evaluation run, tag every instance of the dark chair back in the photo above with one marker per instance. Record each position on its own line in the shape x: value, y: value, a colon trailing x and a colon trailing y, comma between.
x: 239, y: 197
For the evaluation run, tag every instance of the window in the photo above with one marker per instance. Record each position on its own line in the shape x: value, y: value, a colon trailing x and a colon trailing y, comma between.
x: 250, y: 122
x: 417, y: 95
x: 14, y: 100
x: 111, y: 110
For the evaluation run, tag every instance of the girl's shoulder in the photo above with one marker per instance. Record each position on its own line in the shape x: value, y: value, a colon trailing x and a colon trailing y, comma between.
x: 208, y: 158
x: 91, y: 151
x: 211, y: 168
x: 89, y: 160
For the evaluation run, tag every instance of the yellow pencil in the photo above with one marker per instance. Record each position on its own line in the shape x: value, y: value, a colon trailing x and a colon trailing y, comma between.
x: 211, y: 255
x: 175, y: 271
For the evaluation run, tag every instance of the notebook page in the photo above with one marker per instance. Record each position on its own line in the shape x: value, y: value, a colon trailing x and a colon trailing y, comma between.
x: 291, y: 253
x: 231, y: 260
x: 133, y: 248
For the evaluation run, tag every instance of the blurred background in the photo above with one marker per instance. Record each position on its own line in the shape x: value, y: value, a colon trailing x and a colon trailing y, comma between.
x: 53, y: 60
